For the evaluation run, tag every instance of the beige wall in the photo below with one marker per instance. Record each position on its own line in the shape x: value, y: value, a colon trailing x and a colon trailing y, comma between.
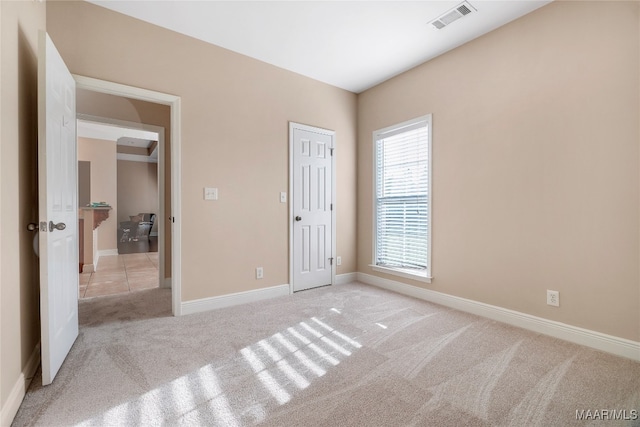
x: 2, y: 354
x: 19, y: 293
x: 137, y: 188
x: 104, y: 185
x: 235, y: 114
x: 535, y: 164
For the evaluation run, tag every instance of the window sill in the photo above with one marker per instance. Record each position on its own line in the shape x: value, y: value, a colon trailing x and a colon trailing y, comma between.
x: 406, y: 273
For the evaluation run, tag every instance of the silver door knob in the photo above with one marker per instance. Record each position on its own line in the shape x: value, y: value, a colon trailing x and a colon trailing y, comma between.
x: 59, y: 226
x: 298, y: 218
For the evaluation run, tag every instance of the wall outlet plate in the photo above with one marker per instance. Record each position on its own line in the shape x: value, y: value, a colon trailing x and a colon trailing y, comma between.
x: 553, y: 298
x: 339, y: 260
x: 259, y: 273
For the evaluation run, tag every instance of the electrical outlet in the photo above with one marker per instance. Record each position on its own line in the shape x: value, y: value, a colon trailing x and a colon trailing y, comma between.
x: 553, y: 298
x: 339, y: 260
x: 283, y: 197
x: 259, y: 273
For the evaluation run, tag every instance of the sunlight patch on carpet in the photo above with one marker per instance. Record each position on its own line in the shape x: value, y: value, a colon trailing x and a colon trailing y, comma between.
x: 282, y: 364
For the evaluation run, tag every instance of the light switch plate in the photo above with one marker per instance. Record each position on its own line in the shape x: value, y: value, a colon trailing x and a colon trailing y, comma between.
x: 283, y: 197
x: 210, y: 193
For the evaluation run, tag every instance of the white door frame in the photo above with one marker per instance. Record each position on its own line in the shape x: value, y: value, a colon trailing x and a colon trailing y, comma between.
x: 160, y: 217
x: 110, y: 88
x: 292, y: 126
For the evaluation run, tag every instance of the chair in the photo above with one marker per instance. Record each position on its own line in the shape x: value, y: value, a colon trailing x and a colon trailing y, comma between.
x: 137, y: 228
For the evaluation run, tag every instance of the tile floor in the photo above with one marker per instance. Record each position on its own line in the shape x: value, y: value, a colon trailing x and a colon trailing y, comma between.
x: 121, y: 274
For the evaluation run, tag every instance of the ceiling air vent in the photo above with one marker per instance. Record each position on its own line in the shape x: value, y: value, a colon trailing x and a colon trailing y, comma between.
x: 452, y: 15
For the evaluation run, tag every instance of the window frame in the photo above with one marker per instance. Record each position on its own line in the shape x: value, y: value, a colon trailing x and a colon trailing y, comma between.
x: 421, y: 275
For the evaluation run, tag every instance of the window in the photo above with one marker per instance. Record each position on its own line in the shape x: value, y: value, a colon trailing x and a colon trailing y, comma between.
x: 402, y: 235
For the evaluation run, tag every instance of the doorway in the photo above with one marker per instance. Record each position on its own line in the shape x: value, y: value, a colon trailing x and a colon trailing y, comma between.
x: 312, y: 218
x: 120, y: 254
x: 167, y: 219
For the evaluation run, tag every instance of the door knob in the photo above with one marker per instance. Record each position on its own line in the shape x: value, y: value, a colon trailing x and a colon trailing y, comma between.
x: 59, y: 226
x: 298, y: 218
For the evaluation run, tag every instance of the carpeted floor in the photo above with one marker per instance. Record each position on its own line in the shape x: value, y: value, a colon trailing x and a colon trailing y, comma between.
x: 350, y: 355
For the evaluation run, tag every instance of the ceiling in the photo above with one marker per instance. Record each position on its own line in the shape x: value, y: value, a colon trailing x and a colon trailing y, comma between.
x: 353, y: 45
x: 124, y: 137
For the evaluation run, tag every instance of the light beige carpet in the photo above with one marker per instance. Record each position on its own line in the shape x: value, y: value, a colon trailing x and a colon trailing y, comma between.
x: 349, y: 355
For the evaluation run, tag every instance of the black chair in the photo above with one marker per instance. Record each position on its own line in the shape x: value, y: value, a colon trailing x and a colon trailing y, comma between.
x: 137, y: 228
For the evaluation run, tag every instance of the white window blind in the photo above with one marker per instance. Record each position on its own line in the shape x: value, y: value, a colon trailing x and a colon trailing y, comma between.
x: 403, y: 196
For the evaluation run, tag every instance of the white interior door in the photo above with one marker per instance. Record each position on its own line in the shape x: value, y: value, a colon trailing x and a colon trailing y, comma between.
x: 58, y: 206
x: 312, y: 176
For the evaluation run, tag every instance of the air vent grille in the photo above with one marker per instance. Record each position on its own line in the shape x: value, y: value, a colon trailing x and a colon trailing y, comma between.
x: 463, y: 9
x: 452, y: 15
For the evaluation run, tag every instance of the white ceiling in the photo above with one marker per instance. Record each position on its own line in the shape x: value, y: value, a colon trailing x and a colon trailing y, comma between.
x: 132, y: 137
x: 350, y: 44
x: 121, y: 136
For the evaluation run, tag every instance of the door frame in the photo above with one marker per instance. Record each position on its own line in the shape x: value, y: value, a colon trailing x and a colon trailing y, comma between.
x: 173, y: 101
x: 293, y: 126
x: 160, y: 217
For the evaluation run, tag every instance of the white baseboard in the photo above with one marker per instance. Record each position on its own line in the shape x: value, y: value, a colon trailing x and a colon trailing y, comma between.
x: 19, y: 389
x: 101, y: 253
x: 107, y: 252
x: 608, y: 343
x: 343, y: 279
x: 166, y: 283
x: 207, y: 304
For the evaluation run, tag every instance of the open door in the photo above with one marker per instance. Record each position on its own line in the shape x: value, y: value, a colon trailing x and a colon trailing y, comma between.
x: 57, y: 180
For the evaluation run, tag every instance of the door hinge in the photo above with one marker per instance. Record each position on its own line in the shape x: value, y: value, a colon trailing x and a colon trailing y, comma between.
x: 331, y: 261
x: 331, y: 150
x: 331, y: 207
